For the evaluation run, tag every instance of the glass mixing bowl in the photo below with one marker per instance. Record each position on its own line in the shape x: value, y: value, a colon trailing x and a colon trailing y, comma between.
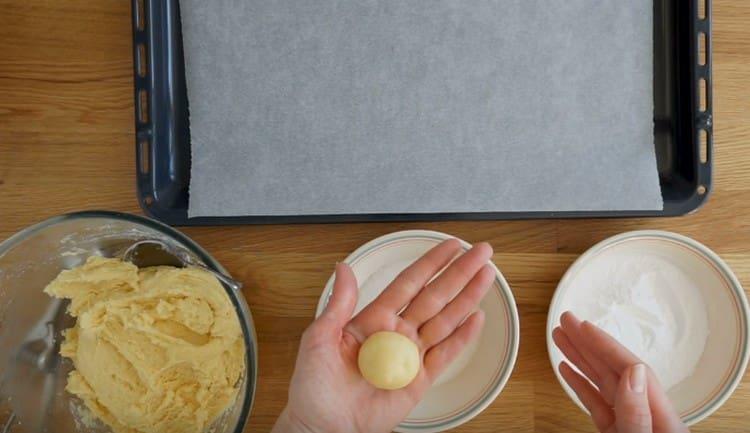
x: 32, y: 374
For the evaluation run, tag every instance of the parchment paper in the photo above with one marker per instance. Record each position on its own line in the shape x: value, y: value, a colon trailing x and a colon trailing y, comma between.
x: 406, y: 106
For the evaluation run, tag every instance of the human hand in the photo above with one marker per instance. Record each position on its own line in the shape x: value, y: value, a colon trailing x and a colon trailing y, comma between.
x: 327, y: 392
x: 625, y: 396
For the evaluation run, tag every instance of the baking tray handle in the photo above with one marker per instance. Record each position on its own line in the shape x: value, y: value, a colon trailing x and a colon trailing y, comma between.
x: 703, y: 94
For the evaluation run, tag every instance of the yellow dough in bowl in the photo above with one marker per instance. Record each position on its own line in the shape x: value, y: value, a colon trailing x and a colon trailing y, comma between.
x: 155, y: 350
x: 389, y: 360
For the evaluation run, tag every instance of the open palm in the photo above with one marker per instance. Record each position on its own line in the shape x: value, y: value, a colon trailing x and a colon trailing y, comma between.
x: 605, y: 382
x: 327, y: 392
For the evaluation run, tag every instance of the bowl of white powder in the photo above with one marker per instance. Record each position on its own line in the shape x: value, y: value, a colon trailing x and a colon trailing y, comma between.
x: 671, y: 301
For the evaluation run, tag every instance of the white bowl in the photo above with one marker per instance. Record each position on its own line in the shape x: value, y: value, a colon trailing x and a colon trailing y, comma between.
x: 476, y: 378
x: 725, y: 357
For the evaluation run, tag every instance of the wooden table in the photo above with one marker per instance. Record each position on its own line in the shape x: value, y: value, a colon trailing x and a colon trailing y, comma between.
x: 67, y: 144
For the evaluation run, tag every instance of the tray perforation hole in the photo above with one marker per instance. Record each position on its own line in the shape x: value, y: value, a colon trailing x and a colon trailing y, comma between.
x: 702, y: 9
x: 142, y: 106
x: 703, y: 145
x: 140, y: 18
x: 142, y: 60
x: 702, y: 94
x: 701, y: 49
x: 701, y: 190
x: 145, y: 155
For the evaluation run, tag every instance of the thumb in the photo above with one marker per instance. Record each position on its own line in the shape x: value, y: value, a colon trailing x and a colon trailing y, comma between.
x: 632, y: 412
x: 343, y: 299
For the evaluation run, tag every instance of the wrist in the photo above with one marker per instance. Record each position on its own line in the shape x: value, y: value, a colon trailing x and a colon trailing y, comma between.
x: 288, y: 423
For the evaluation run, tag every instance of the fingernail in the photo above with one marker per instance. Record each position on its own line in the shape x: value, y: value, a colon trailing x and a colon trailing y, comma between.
x: 573, y: 318
x: 638, y: 378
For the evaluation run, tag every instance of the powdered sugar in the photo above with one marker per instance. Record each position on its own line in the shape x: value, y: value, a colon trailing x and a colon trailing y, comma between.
x: 651, y: 307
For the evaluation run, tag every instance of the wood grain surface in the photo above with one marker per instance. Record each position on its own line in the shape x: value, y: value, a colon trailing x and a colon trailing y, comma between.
x: 67, y: 144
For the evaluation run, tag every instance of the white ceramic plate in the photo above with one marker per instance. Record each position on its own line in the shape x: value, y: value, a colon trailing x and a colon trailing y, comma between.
x: 480, y: 373
x: 725, y: 356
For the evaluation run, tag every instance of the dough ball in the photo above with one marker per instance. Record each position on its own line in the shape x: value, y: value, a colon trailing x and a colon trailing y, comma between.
x: 389, y: 360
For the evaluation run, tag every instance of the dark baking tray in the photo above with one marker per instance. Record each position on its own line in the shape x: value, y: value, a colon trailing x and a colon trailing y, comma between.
x: 682, y: 124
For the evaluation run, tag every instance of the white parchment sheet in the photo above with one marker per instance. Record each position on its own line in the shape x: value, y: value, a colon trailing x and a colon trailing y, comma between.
x: 404, y: 106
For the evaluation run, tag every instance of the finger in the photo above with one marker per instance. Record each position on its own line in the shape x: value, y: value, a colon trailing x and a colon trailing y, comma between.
x: 343, y: 299
x: 607, y: 348
x: 664, y: 416
x: 573, y: 355
x: 412, y: 279
x: 611, y: 351
x: 442, y: 289
x: 444, y: 323
x: 633, y: 414
x: 601, y: 412
x: 439, y: 357
x: 608, y: 378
